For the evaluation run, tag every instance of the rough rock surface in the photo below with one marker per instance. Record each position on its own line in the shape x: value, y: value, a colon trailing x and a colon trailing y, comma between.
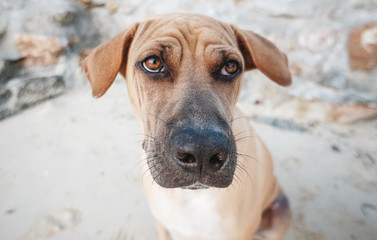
x: 38, y: 50
x: 40, y: 40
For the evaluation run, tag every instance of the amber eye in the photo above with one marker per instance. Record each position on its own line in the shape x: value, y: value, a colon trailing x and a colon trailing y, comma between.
x: 153, y: 64
x: 229, y: 68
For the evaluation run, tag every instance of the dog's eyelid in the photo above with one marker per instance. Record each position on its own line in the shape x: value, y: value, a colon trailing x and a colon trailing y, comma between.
x: 228, y: 54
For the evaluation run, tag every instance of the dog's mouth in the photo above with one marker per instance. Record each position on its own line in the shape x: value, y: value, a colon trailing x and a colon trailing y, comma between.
x: 192, y: 158
x: 196, y: 186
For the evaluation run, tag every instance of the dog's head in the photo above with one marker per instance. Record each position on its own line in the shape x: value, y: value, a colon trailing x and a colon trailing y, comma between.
x: 183, y: 75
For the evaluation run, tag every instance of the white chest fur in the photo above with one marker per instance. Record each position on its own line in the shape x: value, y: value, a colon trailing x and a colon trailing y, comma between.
x: 188, y: 214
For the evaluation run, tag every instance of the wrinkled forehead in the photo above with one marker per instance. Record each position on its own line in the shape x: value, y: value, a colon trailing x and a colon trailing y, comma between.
x: 183, y: 31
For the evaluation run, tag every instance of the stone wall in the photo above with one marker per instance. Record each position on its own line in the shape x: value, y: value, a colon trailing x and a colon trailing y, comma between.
x: 331, y: 45
x: 40, y: 46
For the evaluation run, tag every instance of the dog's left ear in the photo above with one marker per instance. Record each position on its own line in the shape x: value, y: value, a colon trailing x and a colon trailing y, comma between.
x: 105, y: 61
x: 260, y: 53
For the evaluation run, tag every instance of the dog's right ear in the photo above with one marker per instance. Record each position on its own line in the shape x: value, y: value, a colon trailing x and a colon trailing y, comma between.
x: 260, y: 53
x: 103, y: 63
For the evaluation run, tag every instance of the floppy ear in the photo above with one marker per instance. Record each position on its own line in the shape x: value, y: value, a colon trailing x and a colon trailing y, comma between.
x: 260, y: 53
x: 105, y: 61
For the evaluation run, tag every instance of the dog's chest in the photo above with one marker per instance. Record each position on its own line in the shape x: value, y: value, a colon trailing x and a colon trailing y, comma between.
x: 188, y: 214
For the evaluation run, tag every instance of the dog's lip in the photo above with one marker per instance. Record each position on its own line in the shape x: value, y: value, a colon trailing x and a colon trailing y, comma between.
x: 196, y: 186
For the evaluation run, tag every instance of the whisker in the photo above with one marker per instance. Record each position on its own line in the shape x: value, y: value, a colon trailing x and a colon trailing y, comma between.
x: 246, y: 137
x: 243, y: 169
x: 237, y: 118
x: 145, y: 160
x: 138, y: 160
x: 152, y: 169
x: 146, y: 140
x: 141, y: 134
x: 235, y: 135
x: 162, y: 120
x: 245, y: 156
x: 156, y: 177
x: 237, y: 178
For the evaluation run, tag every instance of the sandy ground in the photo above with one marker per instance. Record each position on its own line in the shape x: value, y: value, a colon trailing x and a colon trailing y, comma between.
x: 70, y: 169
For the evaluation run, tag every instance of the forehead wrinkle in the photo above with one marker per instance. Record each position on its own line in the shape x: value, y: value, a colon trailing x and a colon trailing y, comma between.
x: 223, y: 50
x: 160, y: 27
x: 160, y: 45
x: 221, y: 40
x: 189, y: 30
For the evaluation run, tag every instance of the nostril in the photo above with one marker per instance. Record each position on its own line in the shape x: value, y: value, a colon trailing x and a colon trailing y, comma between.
x: 217, y: 161
x: 202, y: 151
x: 222, y: 156
x: 186, y: 159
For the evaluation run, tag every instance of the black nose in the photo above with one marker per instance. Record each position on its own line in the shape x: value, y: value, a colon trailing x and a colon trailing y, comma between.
x: 200, y: 150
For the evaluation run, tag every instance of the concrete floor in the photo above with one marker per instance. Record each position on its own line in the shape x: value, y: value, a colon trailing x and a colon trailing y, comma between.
x: 69, y: 169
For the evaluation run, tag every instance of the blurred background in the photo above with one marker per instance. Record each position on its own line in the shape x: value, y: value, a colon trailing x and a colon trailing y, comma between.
x: 70, y: 165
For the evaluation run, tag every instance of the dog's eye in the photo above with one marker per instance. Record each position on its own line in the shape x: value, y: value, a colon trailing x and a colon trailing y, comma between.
x: 230, y: 68
x: 153, y: 64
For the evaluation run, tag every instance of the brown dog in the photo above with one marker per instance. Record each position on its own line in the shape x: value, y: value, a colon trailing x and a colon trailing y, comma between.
x: 214, y: 175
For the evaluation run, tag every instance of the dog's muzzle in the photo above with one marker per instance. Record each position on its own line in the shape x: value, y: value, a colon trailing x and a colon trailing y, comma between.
x: 194, y: 158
